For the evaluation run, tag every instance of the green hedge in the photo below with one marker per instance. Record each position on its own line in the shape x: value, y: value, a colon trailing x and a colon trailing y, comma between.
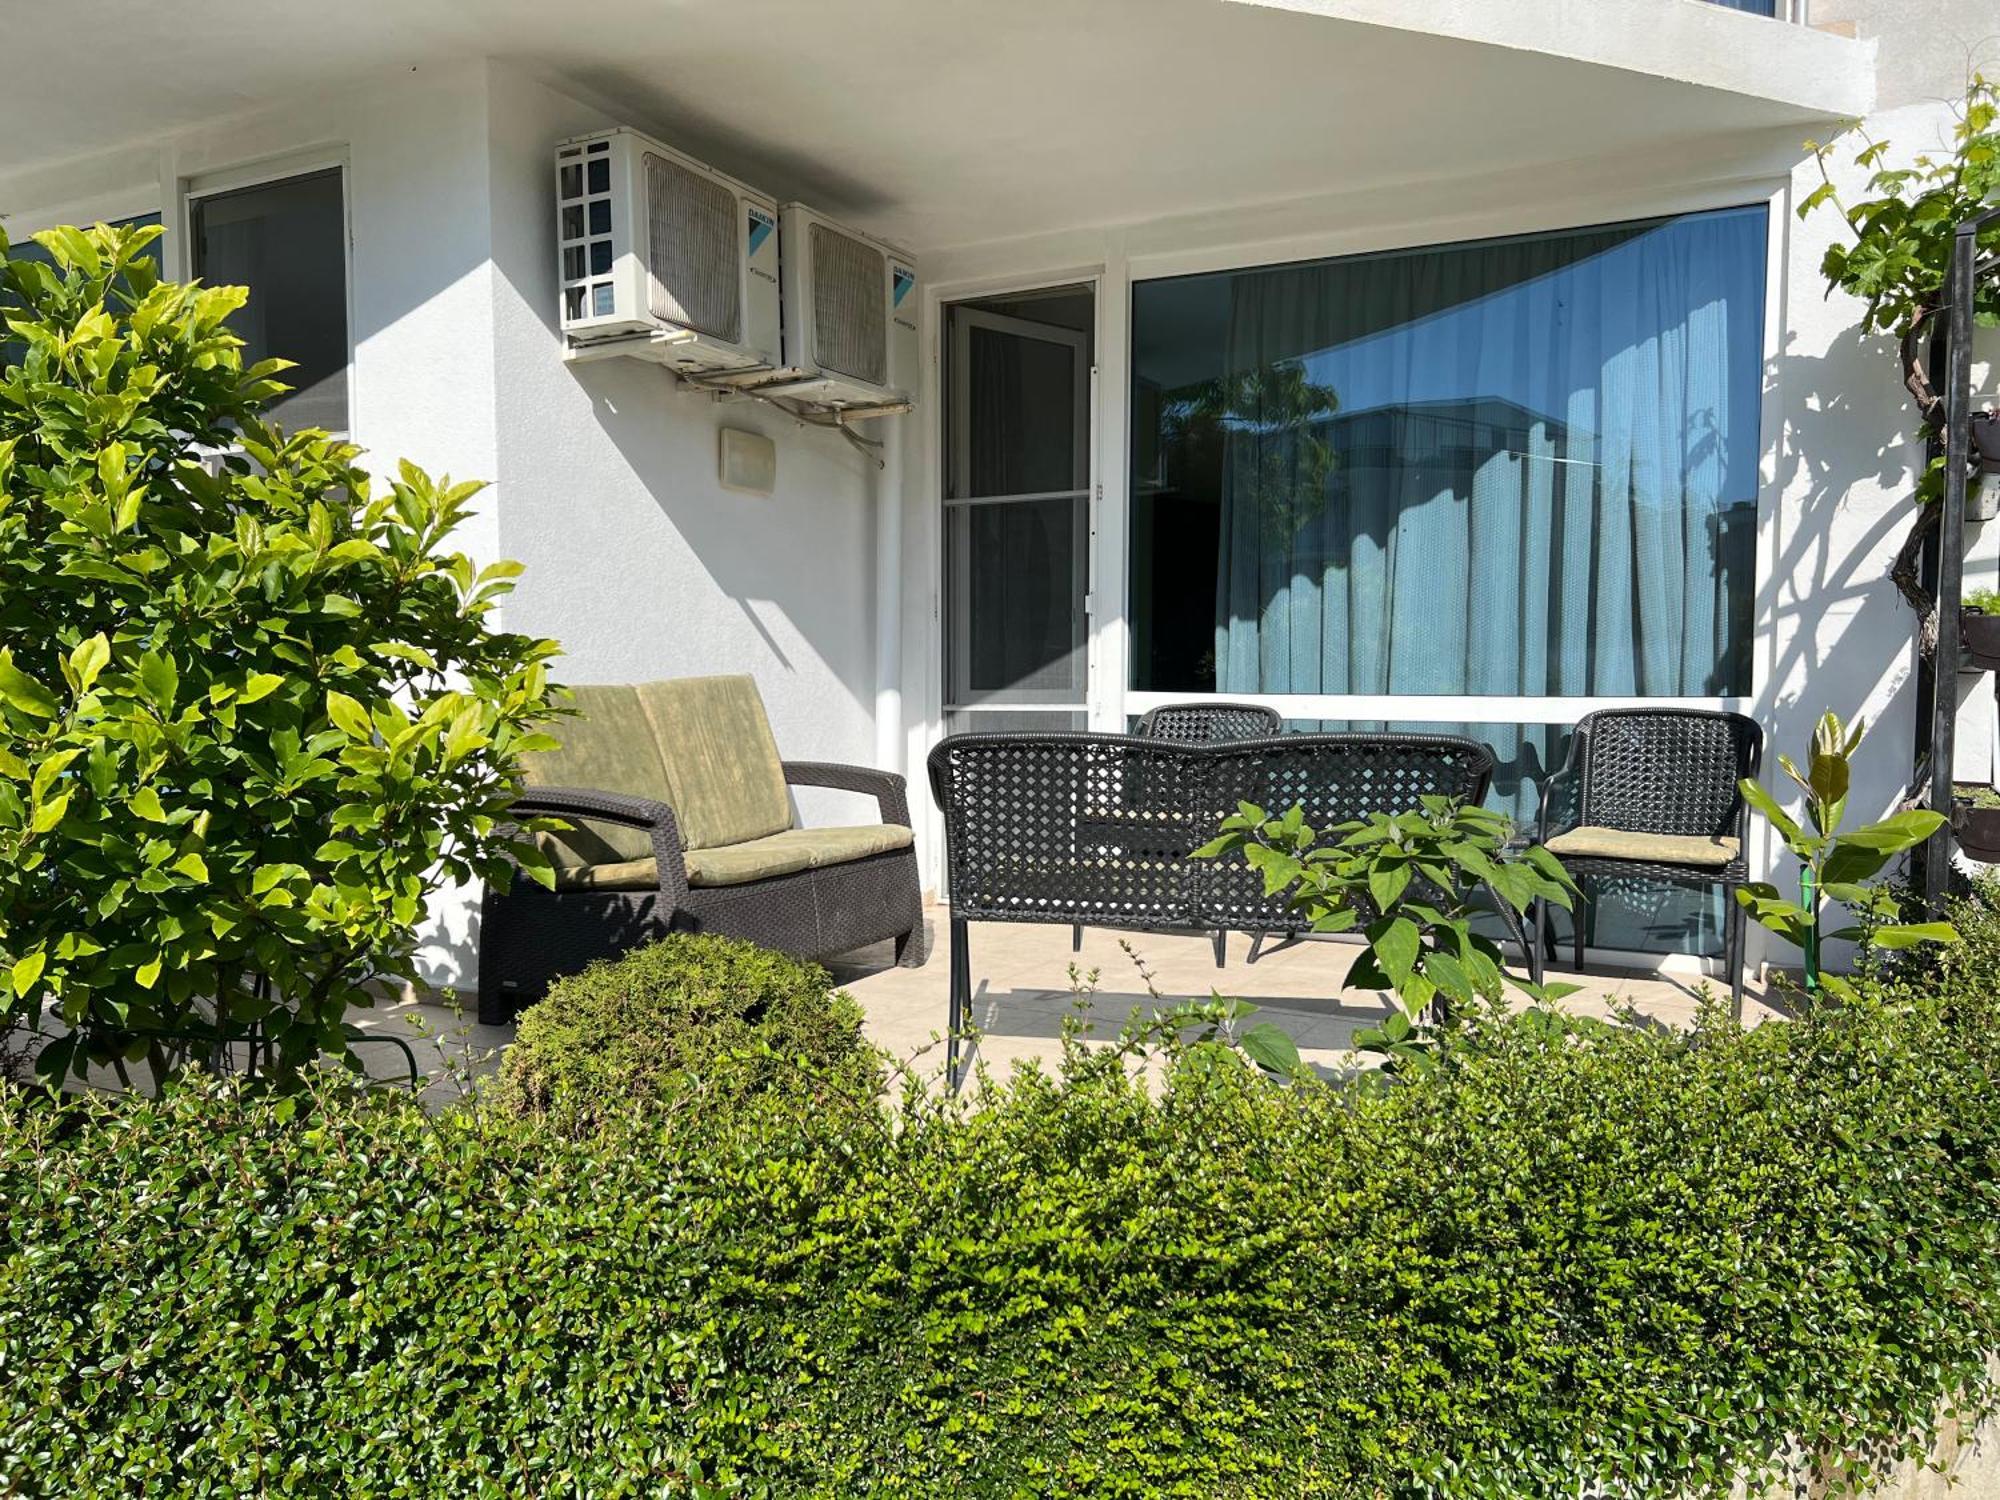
x: 1560, y: 1257
x: 691, y: 1021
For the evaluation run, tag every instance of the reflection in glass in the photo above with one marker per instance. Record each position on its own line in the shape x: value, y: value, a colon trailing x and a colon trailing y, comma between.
x: 1522, y: 467
x: 287, y: 242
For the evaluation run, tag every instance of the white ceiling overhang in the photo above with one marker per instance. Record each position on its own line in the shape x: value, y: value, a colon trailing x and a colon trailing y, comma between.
x: 943, y: 123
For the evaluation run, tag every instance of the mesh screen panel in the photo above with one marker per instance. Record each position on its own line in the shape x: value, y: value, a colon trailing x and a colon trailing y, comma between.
x: 696, y: 244
x: 850, y: 331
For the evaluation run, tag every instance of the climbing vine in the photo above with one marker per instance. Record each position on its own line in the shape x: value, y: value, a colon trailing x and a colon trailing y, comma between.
x: 1896, y: 258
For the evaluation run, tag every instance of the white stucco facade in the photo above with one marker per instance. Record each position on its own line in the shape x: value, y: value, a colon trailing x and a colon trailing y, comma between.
x: 827, y: 591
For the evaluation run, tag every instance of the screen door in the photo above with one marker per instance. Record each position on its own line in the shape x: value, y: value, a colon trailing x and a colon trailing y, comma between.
x: 1017, y: 511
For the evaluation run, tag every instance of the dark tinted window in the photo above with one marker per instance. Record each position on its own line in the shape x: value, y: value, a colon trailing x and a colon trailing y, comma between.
x: 287, y: 242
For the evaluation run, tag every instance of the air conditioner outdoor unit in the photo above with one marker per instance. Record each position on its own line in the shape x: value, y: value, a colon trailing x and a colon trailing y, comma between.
x: 850, y: 306
x: 664, y: 257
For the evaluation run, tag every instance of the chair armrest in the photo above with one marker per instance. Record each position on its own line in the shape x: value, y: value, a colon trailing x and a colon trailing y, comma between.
x: 1566, y: 772
x: 620, y: 808
x: 886, y: 787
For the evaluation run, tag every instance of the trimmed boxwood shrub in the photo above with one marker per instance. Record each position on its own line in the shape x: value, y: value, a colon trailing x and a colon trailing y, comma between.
x: 1559, y: 1258
x: 692, y: 1018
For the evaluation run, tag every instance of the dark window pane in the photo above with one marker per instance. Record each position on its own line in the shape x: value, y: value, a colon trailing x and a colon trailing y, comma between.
x: 1011, y: 569
x: 1522, y: 467
x: 1023, y: 434
x: 287, y: 242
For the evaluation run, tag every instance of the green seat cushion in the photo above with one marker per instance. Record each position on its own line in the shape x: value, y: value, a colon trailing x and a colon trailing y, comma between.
x: 1693, y: 850
x: 793, y: 850
x: 775, y: 854
x: 724, y: 778
x: 608, y: 746
x: 618, y: 875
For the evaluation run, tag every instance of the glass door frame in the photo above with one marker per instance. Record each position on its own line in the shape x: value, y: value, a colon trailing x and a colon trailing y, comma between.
x: 954, y: 478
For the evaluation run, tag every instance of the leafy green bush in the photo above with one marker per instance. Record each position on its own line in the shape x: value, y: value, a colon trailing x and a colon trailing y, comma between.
x: 1554, y: 1259
x: 690, y: 1018
x: 252, y: 712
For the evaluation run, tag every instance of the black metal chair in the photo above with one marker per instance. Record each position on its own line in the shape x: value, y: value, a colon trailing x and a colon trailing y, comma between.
x: 1201, y: 724
x: 1657, y: 796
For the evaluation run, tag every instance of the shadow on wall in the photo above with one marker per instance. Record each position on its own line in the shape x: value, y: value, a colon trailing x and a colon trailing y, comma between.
x: 799, y: 561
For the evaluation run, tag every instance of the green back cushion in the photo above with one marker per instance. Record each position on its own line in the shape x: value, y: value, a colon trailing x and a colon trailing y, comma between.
x: 724, y: 777
x: 608, y: 747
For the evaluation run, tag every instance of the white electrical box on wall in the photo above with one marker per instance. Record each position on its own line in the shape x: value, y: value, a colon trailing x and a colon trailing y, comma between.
x: 747, y: 462
x: 665, y: 257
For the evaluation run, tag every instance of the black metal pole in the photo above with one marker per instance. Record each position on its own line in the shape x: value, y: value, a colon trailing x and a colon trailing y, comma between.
x: 1951, y: 554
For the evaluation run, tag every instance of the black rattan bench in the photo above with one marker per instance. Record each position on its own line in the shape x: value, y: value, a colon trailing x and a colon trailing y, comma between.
x: 1098, y: 829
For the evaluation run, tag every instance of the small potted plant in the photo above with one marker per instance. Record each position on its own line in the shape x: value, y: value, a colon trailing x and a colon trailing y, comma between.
x: 1979, y: 628
x: 1982, y: 495
x: 1975, y: 819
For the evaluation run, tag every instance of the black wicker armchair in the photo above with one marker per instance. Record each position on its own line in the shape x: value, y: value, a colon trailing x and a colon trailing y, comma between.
x: 1656, y: 793
x: 685, y: 825
x: 1100, y: 828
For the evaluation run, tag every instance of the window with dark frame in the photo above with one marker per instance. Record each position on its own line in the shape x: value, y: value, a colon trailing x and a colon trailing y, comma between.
x: 286, y: 241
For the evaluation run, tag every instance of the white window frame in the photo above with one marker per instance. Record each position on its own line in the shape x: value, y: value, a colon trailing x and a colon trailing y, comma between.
x: 261, y: 173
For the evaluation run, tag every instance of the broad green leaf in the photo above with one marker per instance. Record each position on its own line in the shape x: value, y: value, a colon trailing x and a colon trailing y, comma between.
x: 1396, y: 943
x: 1894, y: 834
x: 50, y: 813
x: 1450, y: 976
x: 1270, y: 1048
x: 27, y: 969
x: 1763, y: 801
x: 146, y: 803
x: 349, y: 716
x: 88, y: 660
x: 160, y: 679
x: 23, y: 691
x: 1908, y: 934
x: 1386, y: 883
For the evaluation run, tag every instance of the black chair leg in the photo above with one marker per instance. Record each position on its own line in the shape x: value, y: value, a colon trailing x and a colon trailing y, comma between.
x: 1076, y: 938
x: 961, y: 998
x: 1221, y: 947
x: 1732, y: 947
x: 1538, y: 934
x: 1256, y: 947
x: 1576, y: 921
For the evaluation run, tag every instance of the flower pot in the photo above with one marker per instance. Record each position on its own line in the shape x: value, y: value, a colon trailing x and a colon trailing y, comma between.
x: 1982, y: 497
x: 1980, y: 635
x: 1986, y: 436
x: 1978, y: 831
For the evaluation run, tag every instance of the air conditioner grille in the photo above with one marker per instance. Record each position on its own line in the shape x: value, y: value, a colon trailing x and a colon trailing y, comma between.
x: 696, y: 240
x: 850, y: 324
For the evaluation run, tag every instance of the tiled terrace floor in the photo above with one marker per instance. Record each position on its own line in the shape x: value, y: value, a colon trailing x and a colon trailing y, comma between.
x: 1022, y: 991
